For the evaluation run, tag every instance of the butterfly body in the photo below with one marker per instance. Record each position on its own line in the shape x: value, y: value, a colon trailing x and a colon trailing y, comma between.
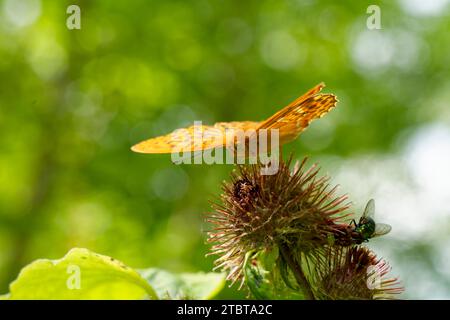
x: 289, y: 122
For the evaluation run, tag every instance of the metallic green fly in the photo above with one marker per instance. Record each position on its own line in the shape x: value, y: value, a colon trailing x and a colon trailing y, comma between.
x: 366, y: 228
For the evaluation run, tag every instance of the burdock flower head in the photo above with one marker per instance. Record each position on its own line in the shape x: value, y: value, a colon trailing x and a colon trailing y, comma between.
x: 258, y: 212
x: 352, y: 273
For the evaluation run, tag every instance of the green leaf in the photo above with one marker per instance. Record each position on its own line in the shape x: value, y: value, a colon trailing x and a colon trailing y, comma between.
x: 203, y: 286
x: 264, y: 280
x: 80, y: 274
x: 257, y: 278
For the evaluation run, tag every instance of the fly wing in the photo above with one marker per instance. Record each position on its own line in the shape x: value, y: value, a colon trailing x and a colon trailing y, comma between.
x: 369, y: 211
x: 381, y: 229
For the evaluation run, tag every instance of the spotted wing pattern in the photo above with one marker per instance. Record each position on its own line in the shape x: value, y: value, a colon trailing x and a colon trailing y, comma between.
x: 290, y: 121
x: 194, y: 138
x: 294, y: 118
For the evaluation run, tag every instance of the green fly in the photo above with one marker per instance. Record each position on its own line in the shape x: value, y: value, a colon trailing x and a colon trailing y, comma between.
x: 366, y: 228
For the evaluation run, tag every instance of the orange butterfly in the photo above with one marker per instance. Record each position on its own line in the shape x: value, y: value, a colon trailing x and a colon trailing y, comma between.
x: 290, y: 121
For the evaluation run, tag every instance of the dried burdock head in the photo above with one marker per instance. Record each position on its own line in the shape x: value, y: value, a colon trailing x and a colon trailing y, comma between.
x: 351, y: 273
x: 259, y: 212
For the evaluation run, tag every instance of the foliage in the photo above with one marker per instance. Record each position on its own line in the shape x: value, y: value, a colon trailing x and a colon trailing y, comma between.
x: 72, y: 103
x: 82, y: 274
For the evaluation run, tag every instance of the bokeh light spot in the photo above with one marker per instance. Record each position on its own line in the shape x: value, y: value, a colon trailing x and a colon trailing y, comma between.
x: 170, y: 183
x: 281, y: 51
x: 22, y: 13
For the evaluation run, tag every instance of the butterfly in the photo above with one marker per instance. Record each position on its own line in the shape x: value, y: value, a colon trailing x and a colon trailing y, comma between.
x: 289, y: 121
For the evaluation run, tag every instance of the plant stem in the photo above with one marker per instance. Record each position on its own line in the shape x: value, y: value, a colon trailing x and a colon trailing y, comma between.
x: 297, y: 271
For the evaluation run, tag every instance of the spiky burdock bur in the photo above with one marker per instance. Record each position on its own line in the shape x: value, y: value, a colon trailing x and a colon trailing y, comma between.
x: 272, y: 231
x: 351, y: 273
x: 294, y: 212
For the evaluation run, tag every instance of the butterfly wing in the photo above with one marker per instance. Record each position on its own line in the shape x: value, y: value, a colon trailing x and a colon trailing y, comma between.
x: 286, y: 110
x: 193, y: 138
x: 381, y: 229
x: 290, y: 121
x: 294, y: 118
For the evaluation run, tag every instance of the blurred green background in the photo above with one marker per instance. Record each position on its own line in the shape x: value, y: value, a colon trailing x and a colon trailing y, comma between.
x: 72, y: 102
